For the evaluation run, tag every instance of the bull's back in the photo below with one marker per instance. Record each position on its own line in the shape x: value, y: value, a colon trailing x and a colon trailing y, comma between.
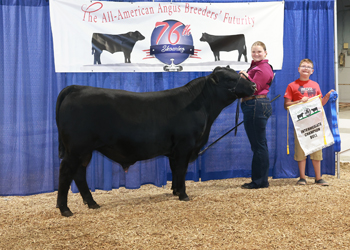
x: 126, y: 121
x: 227, y: 43
x: 111, y: 43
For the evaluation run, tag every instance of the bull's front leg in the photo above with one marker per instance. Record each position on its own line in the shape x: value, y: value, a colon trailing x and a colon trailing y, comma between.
x: 179, y: 169
x: 217, y: 55
x: 127, y: 55
x: 174, y: 180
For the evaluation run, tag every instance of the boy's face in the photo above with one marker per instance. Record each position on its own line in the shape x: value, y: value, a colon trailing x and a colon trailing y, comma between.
x: 305, y: 69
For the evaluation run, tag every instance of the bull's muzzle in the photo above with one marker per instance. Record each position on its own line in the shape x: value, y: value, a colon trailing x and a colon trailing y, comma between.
x: 254, y: 87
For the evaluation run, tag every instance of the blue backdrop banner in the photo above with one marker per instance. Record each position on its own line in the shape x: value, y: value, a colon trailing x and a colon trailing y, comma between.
x: 29, y: 162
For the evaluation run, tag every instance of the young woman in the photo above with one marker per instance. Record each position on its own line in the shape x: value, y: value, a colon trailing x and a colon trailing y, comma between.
x: 257, y: 110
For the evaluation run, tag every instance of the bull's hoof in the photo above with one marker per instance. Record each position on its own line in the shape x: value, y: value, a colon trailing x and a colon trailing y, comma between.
x: 67, y: 213
x: 176, y: 193
x: 185, y: 198
x: 94, y: 206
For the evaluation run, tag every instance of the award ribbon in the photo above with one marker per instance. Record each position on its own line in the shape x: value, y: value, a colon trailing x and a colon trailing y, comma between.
x: 335, y: 130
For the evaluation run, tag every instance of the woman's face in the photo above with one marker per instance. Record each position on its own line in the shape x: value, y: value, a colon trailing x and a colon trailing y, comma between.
x: 258, y: 53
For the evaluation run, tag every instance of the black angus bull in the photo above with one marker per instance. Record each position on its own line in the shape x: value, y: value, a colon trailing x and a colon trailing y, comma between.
x: 226, y: 43
x: 128, y: 127
x: 114, y: 43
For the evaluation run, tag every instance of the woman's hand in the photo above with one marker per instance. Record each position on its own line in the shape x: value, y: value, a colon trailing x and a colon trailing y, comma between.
x: 244, y: 74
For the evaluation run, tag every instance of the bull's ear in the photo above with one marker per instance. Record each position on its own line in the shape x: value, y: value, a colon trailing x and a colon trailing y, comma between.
x: 228, y: 66
x: 216, y: 68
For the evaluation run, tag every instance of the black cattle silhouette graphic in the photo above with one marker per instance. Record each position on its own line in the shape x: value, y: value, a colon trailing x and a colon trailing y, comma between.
x: 225, y: 43
x: 114, y: 43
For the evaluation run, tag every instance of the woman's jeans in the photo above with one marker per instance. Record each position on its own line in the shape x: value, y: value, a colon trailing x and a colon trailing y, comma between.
x: 256, y: 113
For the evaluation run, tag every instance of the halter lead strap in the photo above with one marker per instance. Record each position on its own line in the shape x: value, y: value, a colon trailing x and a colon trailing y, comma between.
x: 237, y: 108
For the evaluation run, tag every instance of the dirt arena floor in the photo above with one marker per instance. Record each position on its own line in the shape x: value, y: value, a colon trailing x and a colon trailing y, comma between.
x: 220, y: 215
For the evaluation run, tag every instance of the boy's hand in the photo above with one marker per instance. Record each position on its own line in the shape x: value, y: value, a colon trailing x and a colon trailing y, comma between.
x: 326, y: 97
x: 304, y: 99
x: 329, y: 93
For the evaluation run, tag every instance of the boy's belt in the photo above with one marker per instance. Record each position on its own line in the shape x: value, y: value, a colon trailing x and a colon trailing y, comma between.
x: 253, y: 97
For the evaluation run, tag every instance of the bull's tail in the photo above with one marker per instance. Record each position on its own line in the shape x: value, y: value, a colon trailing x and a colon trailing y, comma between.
x: 60, y: 98
x: 61, y: 148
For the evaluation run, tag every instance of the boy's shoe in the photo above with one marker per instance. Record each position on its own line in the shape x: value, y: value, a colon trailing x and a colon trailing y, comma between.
x: 301, y: 181
x: 321, y: 182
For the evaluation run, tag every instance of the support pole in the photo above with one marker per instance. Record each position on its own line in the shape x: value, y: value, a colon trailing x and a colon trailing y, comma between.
x: 336, y: 74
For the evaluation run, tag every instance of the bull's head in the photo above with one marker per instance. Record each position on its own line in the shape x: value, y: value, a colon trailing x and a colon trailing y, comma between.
x: 139, y: 36
x: 232, y: 82
x: 204, y: 37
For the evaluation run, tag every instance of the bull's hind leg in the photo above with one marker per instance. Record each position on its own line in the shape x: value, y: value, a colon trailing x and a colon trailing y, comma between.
x: 68, y: 169
x: 97, y: 56
x: 239, y: 56
x: 244, y: 53
x: 80, y: 181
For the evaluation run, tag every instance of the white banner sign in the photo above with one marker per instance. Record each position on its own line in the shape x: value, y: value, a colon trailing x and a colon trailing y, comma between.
x: 99, y: 36
x: 311, y: 125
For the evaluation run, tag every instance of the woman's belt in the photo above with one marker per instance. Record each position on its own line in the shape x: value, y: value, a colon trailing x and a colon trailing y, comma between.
x: 253, y: 97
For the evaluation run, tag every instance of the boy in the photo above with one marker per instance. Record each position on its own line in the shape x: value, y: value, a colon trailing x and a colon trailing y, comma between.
x: 300, y: 91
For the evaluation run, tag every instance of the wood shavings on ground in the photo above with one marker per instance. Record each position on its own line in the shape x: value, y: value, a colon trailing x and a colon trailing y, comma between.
x: 220, y: 215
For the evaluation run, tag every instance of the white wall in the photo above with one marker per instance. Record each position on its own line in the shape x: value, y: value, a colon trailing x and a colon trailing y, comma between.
x: 343, y: 24
x: 344, y: 81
